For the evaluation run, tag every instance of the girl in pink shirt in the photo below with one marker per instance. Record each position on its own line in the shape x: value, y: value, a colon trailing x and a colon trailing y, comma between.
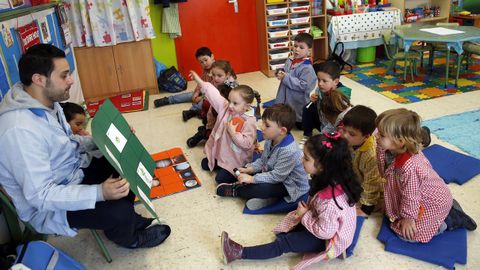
x: 232, y: 140
x: 323, y: 228
x: 418, y: 203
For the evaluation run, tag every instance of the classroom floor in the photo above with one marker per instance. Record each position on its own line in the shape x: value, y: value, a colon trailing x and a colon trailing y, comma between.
x: 198, y: 216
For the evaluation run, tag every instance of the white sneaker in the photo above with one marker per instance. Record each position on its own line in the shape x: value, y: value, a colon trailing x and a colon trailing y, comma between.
x: 257, y: 203
x: 302, y: 142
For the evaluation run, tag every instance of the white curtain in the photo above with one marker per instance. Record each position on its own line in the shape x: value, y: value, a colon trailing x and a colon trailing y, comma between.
x: 108, y: 22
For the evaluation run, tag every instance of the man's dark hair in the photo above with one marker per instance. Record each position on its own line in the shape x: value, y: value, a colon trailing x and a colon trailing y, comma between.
x: 38, y: 59
x: 282, y: 114
x: 305, y: 38
x: 332, y: 68
x: 362, y: 118
x: 203, y: 51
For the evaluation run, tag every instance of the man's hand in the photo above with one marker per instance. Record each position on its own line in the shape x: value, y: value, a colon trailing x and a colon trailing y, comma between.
x: 407, y: 228
x: 115, y: 188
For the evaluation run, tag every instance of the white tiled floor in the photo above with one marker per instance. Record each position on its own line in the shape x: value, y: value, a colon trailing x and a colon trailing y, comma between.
x: 198, y: 217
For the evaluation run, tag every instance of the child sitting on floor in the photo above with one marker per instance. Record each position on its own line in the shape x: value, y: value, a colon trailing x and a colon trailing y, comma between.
x: 224, y: 78
x: 76, y: 117
x: 297, y: 77
x: 418, y: 203
x: 279, y: 172
x: 232, y: 140
x: 358, y: 127
x: 324, y: 227
x: 328, y: 76
x: 206, y: 59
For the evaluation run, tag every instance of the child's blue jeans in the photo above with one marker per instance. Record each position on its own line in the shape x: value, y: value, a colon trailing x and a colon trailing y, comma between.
x: 185, y: 98
x: 299, y: 240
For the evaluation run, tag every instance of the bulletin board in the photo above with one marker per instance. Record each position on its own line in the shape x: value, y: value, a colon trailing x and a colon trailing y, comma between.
x: 10, y: 46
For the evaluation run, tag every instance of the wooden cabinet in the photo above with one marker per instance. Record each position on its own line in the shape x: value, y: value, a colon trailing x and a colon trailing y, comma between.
x: 443, y: 4
x: 279, y: 22
x: 113, y: 70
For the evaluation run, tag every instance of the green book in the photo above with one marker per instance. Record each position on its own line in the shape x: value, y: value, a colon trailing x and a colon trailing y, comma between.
x: 124, y: 151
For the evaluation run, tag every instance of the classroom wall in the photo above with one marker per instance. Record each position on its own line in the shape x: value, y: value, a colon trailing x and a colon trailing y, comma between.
x: 163, y: 46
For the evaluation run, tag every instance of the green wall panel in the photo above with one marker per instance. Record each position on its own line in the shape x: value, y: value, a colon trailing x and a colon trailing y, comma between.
x: 163, y: 46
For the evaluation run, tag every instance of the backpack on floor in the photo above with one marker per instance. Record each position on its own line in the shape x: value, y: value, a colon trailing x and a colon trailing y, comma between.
x: 170, y: 80
x: 41, y: 255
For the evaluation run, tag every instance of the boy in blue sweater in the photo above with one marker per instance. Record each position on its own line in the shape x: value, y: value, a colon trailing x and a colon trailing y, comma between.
x: 279, y: 173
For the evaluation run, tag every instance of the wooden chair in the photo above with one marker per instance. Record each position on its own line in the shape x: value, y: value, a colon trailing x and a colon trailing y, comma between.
x: 394, y: 54
x: 20, y: 236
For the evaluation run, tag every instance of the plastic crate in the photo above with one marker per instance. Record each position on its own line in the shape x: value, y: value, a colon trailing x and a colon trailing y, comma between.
x: 278, y: 44
x: 275, y: 1
x: 277, y: 22
x: 279, y: 55
x: 277, y: 11
x: 299, y: 20
x: 298, y: 9
x: 276, y: 64
x: 277, y: 33
x: 300, y: 30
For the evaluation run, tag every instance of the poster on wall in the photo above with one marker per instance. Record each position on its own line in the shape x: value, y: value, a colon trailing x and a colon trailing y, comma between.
x: 4, y: 4
x: 4, y: 81
x: 16, y: 3
x: 44, y: 30
x: 28, y: 35
x: 6, y: 34
x: 64, y: 27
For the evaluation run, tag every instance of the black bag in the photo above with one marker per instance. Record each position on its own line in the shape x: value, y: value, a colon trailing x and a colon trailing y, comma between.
x: 338, y: 57
x: 171, y: 80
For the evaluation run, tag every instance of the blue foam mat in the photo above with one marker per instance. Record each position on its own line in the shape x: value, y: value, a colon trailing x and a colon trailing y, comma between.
x: 269, y: 103
x: 445, y: 249
x: 352, y: 246
x: 280, y: 206
x: 452, y: 166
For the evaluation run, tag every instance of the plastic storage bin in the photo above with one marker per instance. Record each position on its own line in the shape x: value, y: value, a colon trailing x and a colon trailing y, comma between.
x: 279, y: 32
x: 277, y: 21
x: 276, y: 64
x: 366, y: 55
x: 278, y: 43
x: 275, y: 1
x: 299, y: 20
x: 298, y: 9
x: 281, y: 54
x: 275, y: 10
x: 296, y: 31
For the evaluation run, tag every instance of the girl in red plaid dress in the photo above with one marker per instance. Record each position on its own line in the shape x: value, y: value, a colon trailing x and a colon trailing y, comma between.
x: 322, y: 228
x: 417, y: 201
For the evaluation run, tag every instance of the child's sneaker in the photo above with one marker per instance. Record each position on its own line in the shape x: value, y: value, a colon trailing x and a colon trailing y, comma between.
x: 226, y: 190
x: 257, y: 203
x: 457, y: 219
x: 161, y: 102
x: 302, y: 142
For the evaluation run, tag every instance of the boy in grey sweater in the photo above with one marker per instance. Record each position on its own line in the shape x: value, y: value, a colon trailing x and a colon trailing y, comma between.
x: 279, y: 172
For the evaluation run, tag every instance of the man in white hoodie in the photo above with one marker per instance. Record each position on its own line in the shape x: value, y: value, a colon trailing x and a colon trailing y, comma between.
x: 40, y: 161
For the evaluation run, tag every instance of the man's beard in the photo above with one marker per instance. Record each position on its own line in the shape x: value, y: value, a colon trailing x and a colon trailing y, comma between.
x: 54, y: 94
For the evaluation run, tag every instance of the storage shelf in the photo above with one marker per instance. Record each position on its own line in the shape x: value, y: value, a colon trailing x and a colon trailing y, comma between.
x: 320, y: 49
x: 433, y: 19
